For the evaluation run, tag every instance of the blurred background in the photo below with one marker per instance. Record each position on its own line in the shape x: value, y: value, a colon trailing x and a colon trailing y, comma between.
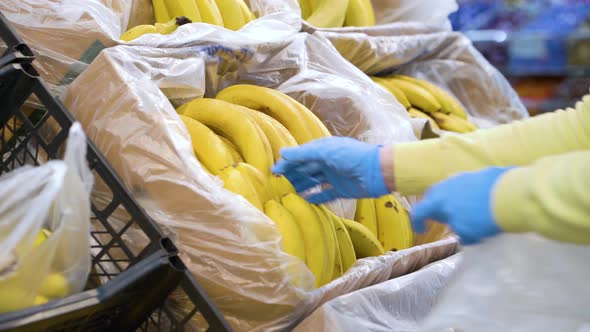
x: 541, y: 46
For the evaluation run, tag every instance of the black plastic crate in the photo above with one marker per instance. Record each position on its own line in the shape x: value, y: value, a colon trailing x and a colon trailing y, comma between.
x: 132, y: 282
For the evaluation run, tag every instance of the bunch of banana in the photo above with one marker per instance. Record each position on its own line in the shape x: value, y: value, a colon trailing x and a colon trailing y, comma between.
x: 423, y: 99
x: 238, y: 136
x: 338, y: 13
x: 231, y: 14
x: 161, y: 28
x: 386, y: 220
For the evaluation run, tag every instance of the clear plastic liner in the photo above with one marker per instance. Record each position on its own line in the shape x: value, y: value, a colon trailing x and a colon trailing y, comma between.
x: 231, y: 247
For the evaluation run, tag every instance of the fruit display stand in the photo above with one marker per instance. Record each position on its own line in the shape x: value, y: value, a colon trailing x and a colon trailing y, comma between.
x: 129, y: 286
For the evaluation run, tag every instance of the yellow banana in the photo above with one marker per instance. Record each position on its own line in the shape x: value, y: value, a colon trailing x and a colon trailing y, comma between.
x: 448, y: 102
x: 232, y: 123
x: 233, y: 18
x: 451, y: 122
x: 364, y: 242
x: 171, y: 26
x: 395, y: 229
x: 395, y: 91
x: 417, y: 95
x: 208, y: 147
x: 161, y: 11
x: 331, y: 245
x: 316, y: 250
x: 278, y: 136
x: 187, y: 8
x: 138, y: 31
x: 246, y: 12
x: 292, y: 243
x: 359, y: 13
x: 366, y: 215
x: 434, y: 231
x: 416, y: 114
x: 281, y: 185
x: 306, y: 8
x: 232, y: 150
x: 314, y: 124
x: 209, y: 12
x: 259, y: 181
x: 347, y: 255
x: 272, y: 103
x: 328, y: 13
x: 235, y: 182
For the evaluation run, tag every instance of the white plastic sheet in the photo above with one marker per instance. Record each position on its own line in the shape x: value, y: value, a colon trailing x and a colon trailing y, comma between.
x: 56, y: 197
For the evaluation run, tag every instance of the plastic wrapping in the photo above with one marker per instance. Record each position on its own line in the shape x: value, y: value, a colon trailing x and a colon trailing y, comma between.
x: 397, y: 305
x: 230, y: 246
x: 55, y: 197
x: 517, y: 282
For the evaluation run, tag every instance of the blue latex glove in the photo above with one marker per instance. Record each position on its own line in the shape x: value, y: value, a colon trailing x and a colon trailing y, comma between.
x: 464, y: 202
x: 345, y: 167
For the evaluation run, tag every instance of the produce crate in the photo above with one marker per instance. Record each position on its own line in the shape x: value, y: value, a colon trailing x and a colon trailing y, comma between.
x: 135, y: 268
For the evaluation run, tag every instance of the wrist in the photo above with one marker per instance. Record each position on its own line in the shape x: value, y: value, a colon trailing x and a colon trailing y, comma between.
x: 386, y: 165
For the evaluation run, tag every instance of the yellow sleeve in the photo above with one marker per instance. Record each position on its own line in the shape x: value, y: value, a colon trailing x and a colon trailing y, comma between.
x: 418, y: 165
x: 551, y: 197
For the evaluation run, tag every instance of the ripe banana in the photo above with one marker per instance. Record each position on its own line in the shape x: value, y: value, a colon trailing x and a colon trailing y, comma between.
x: 233, y: 18
x: 417, y: 95
x: 306, y: 8
x: 314, y: 238
x: 270, y: 102
x: 138, y: 31
x: 451, y: 122
x: 328, y: 13
x: 161, y: 12
x: 359, y: 13
x: 434, y: 232
x: 278, y: 136
x: 258, y: 180
x: 448, y: 102
x: 394, y: 90
x: 235, y: 182
x: 208, y: 147
x: 246, y: 12
x: 314, y: 124
x: 292, y: 243
x: 416, y: 114
x: 209, y: 12
x: 347, y: 255
x: 366, y: 215
x: 232, y: 149
x: 233, y: 124
x: 395, y: 229
x: 364, y: 242
x: 332, y: 246
x: 281, y: 185
x: 187, y: 8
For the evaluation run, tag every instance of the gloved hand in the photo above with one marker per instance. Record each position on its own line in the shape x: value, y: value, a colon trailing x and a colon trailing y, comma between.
x: 346, y: 168
x: 464, y: 202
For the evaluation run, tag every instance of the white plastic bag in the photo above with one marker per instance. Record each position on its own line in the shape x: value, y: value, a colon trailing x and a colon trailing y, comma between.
x: 517, y: 283
x: 230, y: 246
x: 55, y: 197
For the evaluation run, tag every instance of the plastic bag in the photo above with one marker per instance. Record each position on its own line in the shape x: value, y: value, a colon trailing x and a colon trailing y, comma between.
x: 396, y: 305
x: 55, y: 197
x: 230, y: 246
x: 517, y: 282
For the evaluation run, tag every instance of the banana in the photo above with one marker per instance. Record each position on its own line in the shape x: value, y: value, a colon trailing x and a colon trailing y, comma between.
x: 208, y: 147
x: 187, y: 8
x: 235, y: 182
x: 328, y: 13
x: 232, y: 149
x: 209, y: 12
x: 138, y: 31
x: 232, y: 123
x: 366, y: 215
x: 364, y: 242
x: 160, y: 11
x: 233, y: 18
x: 434, y: 232
x: 417, y: 114
x: 314, y: 238
x: 306, y: 8
x: 395, y: 230
x: 359, y: 13
x: 272, y: 103
x: 417, y: 95
x: 281, y: 185
x: 395, y: 91
x: 331, y: 245
x: 171, y: 26
x: 292, y: 243
x: 451, y: 122
x: 314, y: 124
x: 448, y: 102
x: 246, y: 12
x: 258, y: 180
x: 278, y: 136
x: 347, y: 255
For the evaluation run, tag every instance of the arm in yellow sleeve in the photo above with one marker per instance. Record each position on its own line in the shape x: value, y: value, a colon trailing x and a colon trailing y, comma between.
x: 551, y: 197
x: 417, y: 165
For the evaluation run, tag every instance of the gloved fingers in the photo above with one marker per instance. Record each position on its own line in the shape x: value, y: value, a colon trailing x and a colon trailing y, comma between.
x: 303, y: 153
x: 308, y: 169
x: 323, y: 196
x: 283, y: 166
x: 304, y: 183
x: 427, y: 209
